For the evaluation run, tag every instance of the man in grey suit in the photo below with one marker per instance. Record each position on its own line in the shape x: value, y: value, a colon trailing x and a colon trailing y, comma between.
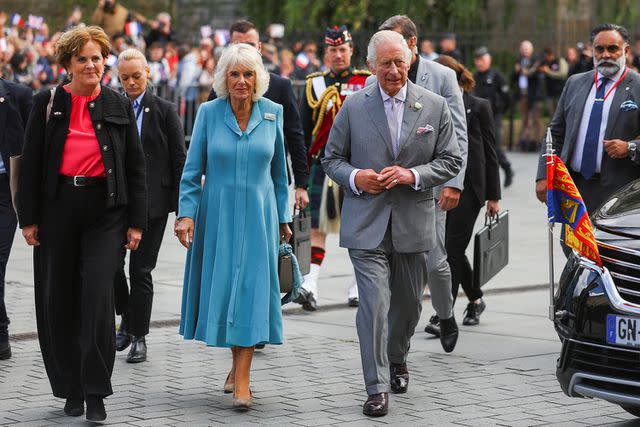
x: 390, y: 144
x: 597, y: 123
x: 440, y: 80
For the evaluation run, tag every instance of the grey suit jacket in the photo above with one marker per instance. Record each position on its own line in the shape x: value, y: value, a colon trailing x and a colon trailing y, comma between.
x: 624, y: 125
x: 442, y: 81
x: 360, y: 138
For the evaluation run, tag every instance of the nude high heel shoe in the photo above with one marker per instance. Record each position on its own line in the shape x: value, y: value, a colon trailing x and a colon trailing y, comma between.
x: 242, y: 404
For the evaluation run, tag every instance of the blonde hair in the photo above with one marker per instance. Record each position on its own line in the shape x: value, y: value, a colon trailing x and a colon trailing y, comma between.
x: 71, y: 43
x: 132, y: 55
x: 246, y: 56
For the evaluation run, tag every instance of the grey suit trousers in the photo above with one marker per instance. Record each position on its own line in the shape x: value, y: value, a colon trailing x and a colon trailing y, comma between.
x: 390, y: 285
x: 439, y: 273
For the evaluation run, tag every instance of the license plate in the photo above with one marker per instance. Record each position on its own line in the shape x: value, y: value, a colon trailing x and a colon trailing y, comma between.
x: 623, y: 330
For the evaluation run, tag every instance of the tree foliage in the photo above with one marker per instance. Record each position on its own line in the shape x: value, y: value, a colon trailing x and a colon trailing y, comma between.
x: 366, y: 15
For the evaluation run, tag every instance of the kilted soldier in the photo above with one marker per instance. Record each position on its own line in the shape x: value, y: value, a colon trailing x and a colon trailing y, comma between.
x: 325, y: 93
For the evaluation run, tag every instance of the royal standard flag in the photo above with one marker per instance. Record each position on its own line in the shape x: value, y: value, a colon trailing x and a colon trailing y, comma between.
x: 565, y: 205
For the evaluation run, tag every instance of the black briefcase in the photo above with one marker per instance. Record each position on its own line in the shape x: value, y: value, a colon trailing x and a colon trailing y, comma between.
x: 301, y: 240
x: 491, y: 248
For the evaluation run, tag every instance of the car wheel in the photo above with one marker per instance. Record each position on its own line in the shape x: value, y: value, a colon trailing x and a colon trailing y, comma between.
x: 633, y: 410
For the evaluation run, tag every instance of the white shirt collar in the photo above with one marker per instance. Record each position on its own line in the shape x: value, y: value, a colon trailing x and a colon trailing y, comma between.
x: 613, y: 78
x: 139, y: 98
x: 400, y: 96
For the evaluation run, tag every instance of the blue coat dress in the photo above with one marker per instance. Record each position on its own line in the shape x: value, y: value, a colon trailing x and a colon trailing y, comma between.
x: 231, y: 294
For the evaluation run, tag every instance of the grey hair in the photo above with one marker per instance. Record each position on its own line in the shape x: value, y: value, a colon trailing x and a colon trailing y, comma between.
x: 383, y: 37
x: 246, y: 56
x: 131, y: 55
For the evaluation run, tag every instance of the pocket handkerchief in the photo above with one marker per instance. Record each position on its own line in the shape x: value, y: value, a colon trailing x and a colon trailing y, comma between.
x: 628, y: 105
x: 425, y: 129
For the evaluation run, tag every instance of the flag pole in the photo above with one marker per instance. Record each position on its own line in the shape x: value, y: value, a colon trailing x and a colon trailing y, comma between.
x: 549, y: 155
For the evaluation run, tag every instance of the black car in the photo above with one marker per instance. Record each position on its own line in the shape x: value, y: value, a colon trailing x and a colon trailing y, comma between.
x: 597, y: 310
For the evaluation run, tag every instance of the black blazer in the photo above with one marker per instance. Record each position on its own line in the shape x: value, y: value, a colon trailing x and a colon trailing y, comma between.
x: 15, y: 104
x: 165, y: 152
x: 280, y: 91
x: 114, y: 125
x: 483, y: 169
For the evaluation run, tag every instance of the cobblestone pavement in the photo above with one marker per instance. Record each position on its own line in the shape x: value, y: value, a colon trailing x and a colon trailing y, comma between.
x: 502, y: 373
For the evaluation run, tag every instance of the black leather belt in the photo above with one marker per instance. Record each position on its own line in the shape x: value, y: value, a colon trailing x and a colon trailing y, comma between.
x: 83, y: 181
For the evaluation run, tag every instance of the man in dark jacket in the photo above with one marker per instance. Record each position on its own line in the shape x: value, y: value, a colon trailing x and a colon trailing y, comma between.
x: 281, y: 92
x: 15, y: 104
x: 492, y: 86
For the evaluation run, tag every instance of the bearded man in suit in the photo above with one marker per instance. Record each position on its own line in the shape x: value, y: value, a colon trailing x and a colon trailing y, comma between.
x: 597, y: 122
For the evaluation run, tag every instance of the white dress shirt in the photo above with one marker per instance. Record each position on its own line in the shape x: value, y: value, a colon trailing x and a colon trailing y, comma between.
x: 576, y: 158
x: 400, y: 99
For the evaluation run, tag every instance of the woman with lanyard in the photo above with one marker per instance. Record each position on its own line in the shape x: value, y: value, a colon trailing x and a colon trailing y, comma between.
x: 82, y: 199
x: 162, y: 140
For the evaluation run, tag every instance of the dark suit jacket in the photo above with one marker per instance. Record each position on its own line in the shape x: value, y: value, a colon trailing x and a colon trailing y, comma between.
x: 114, y: 125
x: 624, y: 125
x: 162, y: 140
x: 15, y: 104
x: 483, y: 169
x: 280, y: 91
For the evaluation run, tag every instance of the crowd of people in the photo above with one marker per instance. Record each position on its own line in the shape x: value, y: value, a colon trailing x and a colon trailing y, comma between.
x: 400, y: 171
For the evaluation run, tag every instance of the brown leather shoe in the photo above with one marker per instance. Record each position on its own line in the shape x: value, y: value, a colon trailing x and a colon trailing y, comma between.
x: 399, y: 378
x: 377, y: 405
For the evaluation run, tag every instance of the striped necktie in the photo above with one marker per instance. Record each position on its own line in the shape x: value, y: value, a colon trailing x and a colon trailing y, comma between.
x: 591, y: 140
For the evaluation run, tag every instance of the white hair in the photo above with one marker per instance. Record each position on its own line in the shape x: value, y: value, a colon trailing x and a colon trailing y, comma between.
x: 384, y: 37
x: 246, y: 56
x: 132, y: 55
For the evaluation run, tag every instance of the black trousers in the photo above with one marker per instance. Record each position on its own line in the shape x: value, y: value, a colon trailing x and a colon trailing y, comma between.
x: 502, y: 158
x: 7, y: 231
x: 136, y: 306
x: 460, y: 222
x: 74, y: 266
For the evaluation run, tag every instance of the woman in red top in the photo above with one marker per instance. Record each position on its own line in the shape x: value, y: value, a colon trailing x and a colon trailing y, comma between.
x: 82, y: 198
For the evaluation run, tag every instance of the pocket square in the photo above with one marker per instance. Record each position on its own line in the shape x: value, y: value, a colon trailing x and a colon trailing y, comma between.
x: 425, y: 129
x: 628, y: 106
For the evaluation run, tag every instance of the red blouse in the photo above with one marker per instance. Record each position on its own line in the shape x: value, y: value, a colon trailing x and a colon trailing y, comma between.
x: 81, y: 153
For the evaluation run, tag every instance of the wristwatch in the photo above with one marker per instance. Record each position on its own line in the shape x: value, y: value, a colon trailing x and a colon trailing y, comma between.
x: 633, y: 150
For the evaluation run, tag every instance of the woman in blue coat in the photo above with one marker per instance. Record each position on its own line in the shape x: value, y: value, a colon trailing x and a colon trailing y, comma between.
x: 232, y: 225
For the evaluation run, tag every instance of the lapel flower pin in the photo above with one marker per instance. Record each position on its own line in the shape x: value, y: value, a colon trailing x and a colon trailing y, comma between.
x: 417, y: 106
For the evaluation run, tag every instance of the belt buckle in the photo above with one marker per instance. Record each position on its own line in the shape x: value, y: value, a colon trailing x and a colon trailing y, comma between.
x: 75, y: 181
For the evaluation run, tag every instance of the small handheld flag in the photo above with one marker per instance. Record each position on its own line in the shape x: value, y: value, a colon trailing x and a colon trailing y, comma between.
x: 16, y: 20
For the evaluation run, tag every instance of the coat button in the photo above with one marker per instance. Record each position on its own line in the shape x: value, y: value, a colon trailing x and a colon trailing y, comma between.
x: 105, y: 148
x: 98, y: 126
x: 112, y: 194
x: 92, y: 104
x: 109, y: 171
